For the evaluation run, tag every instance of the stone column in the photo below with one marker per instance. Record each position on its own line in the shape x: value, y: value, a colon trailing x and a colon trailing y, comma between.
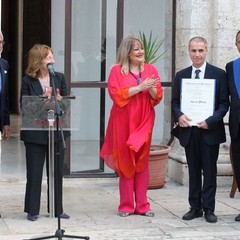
x: 218, y: 22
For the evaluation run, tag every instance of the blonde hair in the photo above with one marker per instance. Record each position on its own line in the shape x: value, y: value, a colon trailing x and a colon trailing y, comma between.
x: 35, y: 57
x: 124, y: 52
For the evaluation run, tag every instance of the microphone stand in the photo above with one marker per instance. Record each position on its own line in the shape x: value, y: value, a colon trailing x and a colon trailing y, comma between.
x: 59, y: 234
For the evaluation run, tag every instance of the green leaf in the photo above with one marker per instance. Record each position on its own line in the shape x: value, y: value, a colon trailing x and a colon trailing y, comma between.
x: 151, y: 47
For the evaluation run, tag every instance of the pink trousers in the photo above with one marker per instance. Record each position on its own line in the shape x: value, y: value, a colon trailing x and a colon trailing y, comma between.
x: 133, y: 193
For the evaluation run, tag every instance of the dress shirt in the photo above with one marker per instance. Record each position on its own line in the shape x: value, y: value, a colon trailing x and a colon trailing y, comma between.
x: 201, y: 74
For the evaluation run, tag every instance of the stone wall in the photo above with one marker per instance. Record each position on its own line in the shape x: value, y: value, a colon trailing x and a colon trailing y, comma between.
x: 218, y: 22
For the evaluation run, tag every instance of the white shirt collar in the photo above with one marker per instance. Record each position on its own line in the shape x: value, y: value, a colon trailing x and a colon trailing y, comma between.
x: 202, y: 68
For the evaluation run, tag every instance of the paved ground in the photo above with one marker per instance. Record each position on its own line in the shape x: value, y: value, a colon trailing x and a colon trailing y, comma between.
x: 92, y: 204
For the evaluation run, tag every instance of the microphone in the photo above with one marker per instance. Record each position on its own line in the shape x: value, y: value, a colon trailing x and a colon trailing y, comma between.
x: 51, y: 69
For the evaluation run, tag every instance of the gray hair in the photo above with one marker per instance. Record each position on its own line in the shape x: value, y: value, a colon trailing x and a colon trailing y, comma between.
x: 198, y: 39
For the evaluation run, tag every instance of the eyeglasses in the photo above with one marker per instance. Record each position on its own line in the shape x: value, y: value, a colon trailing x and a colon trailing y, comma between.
x: 2, y: 42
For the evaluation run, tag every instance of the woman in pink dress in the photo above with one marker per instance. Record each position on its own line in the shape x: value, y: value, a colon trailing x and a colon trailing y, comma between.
x: 135, y: 90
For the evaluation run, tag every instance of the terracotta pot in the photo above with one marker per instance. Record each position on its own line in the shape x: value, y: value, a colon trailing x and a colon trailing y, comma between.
x: 158, y: 165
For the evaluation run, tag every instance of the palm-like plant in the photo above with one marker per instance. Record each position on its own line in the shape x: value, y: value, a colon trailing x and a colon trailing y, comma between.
x: 151, y: 47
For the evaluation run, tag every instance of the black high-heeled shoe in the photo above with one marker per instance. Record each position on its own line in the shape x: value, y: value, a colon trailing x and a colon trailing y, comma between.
x: 31, y: 217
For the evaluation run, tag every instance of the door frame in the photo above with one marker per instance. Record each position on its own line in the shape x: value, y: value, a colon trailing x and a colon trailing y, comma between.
x: 101, y: 85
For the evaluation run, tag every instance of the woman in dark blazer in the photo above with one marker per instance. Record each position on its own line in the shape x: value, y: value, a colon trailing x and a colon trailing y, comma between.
x: 233, y: 78
x: 37, y: 82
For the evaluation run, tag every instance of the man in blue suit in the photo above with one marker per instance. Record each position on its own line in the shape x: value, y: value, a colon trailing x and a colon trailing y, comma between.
x: 4, y: 119
x: 233, y: 79
x: 201, y: 141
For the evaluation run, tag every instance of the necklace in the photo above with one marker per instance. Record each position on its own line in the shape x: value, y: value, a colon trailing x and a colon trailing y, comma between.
x: 139, y: 80
x: 45, y: 83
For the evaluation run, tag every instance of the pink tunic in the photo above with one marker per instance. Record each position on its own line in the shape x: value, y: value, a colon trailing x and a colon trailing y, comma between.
x: 128, y: 137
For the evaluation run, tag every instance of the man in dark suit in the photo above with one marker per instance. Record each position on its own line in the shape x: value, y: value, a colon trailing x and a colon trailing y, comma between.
x: 5, y: 118
x: 233, y: 79
x: 201, y: 141
x: 4, y: 110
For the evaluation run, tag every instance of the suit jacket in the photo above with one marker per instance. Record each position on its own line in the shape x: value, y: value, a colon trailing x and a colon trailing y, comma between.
x: 32, y: 87
x: 234, y: 116
x: 216, y: 132
x: 4, y: 102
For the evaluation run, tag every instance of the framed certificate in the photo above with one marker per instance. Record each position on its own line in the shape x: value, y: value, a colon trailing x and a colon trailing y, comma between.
x: 198, y: 99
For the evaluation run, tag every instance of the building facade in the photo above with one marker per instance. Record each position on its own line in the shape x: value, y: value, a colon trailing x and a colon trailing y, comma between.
x: 218, y: 22
x: 85, y: 34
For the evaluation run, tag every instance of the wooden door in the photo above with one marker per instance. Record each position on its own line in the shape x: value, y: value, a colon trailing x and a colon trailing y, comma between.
x: 36, y: 25
x: 36, y: 28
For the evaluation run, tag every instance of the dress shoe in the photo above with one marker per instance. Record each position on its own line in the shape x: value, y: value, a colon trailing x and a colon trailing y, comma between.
x: 210, y: 217
x: 237, y: 218
x: 64, y: 216
x: 31, y: 217
x: 192, y: 214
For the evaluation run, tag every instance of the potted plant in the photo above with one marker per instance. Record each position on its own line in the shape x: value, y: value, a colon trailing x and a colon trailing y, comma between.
x: 158, y: 165
x: 158, y: 153
x: 151, y: 47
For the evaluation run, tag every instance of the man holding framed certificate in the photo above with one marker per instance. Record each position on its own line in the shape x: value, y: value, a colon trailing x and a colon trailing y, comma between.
x: 199, y: 104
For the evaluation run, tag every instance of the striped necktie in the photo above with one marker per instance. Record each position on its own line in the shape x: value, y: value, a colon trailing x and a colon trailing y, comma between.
x: 197, y: 71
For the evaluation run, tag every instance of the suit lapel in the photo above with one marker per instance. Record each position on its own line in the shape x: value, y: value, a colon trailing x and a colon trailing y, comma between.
x: 2, y: 72
x: 36, y: 86
x: 1, y: 81
x: 189, y: 72
x: 208, y: 72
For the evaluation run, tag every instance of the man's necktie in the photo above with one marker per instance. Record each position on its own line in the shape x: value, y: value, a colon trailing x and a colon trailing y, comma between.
x: 197, y: 71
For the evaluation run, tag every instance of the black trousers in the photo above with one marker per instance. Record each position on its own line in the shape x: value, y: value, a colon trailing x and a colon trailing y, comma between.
x: 236, y: 157
x: 202, y: 167
x: 35, y: 159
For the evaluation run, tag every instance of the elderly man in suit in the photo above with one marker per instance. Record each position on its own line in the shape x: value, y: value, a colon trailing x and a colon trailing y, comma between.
x: 4, y: 110
x: 233, y: 79
x: 4, y: 118
x: 201, y: 141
